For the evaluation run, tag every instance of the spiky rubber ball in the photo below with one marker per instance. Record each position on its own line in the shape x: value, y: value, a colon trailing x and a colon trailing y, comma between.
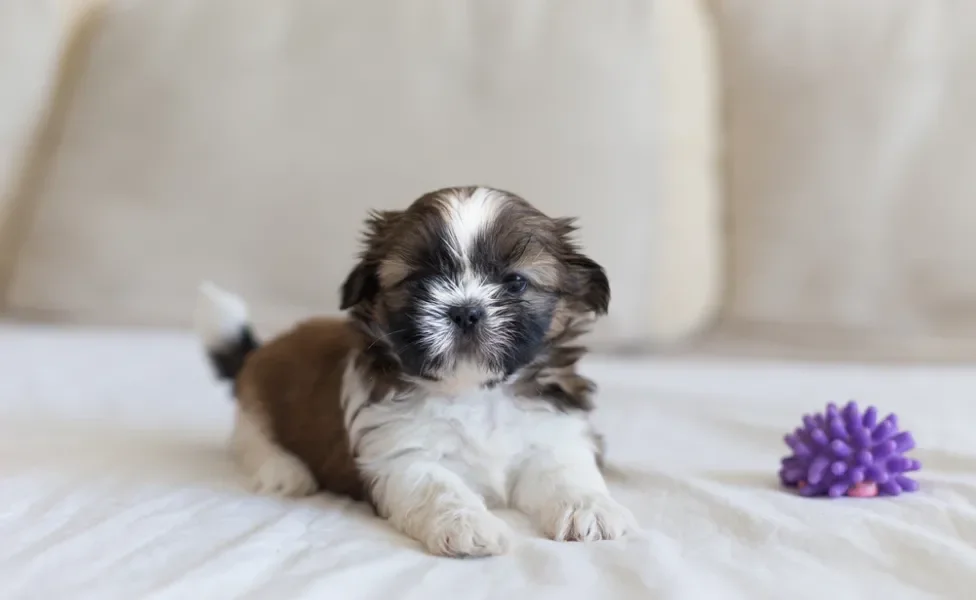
x: 842, y: 452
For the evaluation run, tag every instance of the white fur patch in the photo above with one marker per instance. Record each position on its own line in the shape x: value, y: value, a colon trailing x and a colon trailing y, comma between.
x: 467, y: 216
x: 218, y: 315
x: 439, y: 461
x: 271, y: 469
x: 466, y: 375
x: 585, y: 518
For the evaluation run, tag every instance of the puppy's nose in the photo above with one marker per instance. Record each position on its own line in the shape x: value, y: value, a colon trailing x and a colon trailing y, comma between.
x: 466, y: 317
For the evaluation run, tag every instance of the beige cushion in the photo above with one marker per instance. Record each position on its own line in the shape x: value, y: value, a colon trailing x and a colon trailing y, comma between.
x: 851, y: 182
x: 31, y: 36
x: 243, y: 141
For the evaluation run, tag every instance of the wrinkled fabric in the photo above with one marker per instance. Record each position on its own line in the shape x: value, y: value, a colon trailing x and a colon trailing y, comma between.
x: 115, y: 483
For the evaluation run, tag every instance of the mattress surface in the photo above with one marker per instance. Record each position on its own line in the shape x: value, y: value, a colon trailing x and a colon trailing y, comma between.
x: 115, y: 483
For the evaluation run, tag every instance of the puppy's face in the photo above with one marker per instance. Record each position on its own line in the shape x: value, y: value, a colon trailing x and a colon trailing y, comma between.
x: 471, y: 284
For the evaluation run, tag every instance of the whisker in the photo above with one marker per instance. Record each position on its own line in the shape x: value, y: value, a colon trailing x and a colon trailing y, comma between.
x: 383, y: 337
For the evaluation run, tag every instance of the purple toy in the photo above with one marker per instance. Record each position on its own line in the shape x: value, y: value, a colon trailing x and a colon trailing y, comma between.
x: 842, y: 452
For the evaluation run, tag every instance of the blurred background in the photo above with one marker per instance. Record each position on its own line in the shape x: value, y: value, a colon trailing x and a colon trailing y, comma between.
x: 759, y: 177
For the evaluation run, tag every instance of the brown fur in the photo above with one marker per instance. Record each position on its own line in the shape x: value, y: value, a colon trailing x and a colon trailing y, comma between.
x: 293, y: 384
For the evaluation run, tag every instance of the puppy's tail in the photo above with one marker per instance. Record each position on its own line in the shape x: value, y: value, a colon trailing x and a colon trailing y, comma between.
x: 221, y: 320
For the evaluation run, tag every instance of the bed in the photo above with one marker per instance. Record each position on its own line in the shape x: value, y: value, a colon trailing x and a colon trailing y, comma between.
x: 114, y: 483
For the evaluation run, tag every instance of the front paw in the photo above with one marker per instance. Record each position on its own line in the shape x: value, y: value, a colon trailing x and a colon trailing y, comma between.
x: 587, y: 518
x: 468, y: 533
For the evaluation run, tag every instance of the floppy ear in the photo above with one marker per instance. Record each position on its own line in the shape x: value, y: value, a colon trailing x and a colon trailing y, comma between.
x: 363, y: 282
x: 591, y: 284
x: 595, y: 285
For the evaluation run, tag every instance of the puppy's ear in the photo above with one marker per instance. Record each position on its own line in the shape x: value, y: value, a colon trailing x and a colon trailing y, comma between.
x: 589, y: 280
x: 362, y: 283
x: 595, y: 291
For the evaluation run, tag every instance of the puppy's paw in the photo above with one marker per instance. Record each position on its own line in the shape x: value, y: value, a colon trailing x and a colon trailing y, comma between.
x: 283, y: 475
x: 468, y: 533
x: 587, y: 518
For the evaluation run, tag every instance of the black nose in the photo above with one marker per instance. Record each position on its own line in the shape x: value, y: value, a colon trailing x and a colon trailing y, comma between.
x: 466, y: 317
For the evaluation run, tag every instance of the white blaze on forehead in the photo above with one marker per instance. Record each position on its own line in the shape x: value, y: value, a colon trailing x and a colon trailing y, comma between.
x: 467, y: 215
x: 470, y: 289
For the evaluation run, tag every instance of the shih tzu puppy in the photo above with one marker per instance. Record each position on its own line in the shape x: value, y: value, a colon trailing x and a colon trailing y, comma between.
x: 450, y: 388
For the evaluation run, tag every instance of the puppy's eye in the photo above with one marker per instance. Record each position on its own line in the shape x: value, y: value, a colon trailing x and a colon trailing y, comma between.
x: 514, y: 284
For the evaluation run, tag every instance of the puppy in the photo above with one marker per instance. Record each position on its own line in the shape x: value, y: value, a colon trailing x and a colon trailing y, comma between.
x: 450, y: 388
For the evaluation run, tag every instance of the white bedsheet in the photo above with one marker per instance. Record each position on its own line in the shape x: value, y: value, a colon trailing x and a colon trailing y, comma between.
x: 114, y: 483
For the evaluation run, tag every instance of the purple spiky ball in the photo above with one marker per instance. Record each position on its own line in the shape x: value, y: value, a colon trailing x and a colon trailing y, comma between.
x: 843, y: 452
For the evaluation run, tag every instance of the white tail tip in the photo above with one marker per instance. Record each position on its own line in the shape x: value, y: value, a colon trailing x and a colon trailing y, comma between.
x: 219, y: 315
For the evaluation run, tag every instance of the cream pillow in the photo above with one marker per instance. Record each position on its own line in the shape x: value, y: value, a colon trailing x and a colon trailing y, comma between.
x: 32, y: 36
x: 851, y: 140
x: 244, y: 140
